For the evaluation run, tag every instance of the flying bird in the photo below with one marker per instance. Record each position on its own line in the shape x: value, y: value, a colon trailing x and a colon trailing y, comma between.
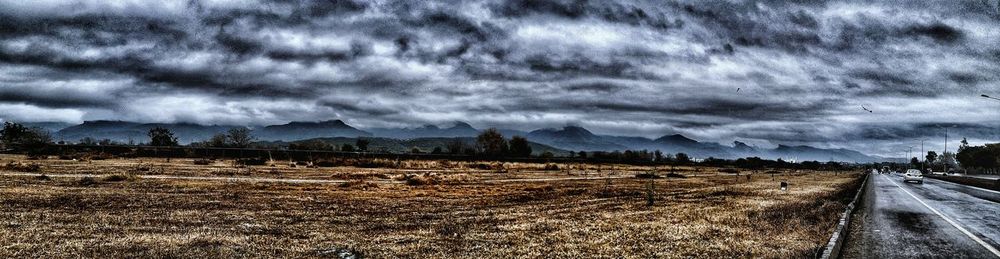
x: 866, y: 109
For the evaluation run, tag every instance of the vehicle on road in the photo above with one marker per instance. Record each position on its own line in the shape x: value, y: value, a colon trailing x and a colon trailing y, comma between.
x: 913, y: 175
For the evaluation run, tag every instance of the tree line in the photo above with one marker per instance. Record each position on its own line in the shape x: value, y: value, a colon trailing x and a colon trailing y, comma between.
x: 489, y: 144
x: 978, y: 157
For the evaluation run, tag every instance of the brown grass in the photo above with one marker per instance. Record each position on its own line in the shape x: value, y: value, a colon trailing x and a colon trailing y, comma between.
x: 460, y: 211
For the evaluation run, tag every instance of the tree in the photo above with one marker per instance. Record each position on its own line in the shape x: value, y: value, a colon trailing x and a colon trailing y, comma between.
x: 980, y: 157
x: 240, y: 137
x: 347, y: 148
x: 33, y: 140
x: 682, y: 158
x: 582, y: 154
x: 931, y: 156
x: 88, y: 141
x: 161, y: 137
x: 914, y: 161
x: 948, y: 160
x: 491, y: 142
x: 362, y: 144
x: 437, y: 150
x: 106, y: 142
x: 310, y: 145
x: 519, y: 147
x: 217, y: 140
x: 456, y: 146
x: 12, y: 133
x: 415, y: 151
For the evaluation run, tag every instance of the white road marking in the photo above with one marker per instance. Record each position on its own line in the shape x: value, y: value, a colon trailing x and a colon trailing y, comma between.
x: 969, y: 186
x: 952, y: 222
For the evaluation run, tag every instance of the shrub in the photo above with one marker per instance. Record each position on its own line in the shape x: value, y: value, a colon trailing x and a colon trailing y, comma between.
x: 551, y: 167
x: 376, y: 163
x: 21, y: 167
x: 43, y: 177
x: 675, y: 175
x: 327, y: 163
x: 202, y: 162
x: 99, y: 156
x: 117, y: 178
x: 251, y: 161
x: 647, y: 176
x: 418, y: 180
x: 486, y: 166
x: 87, y: 181
x: 729, y: 170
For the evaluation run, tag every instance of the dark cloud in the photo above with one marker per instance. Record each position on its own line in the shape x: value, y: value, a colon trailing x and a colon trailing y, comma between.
x: 637, y: 67
x: 938, y: 31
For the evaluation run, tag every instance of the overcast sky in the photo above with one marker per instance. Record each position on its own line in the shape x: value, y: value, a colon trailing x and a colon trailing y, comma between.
x: 762, y: 72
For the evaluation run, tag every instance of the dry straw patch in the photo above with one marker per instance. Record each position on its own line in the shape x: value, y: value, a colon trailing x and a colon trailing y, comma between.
x: 460, y: 215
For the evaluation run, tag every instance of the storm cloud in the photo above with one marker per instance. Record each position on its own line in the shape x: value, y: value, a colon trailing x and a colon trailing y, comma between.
x: 803, y: 69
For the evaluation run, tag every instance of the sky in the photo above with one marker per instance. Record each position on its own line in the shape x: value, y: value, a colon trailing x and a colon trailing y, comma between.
x: 875, y: 76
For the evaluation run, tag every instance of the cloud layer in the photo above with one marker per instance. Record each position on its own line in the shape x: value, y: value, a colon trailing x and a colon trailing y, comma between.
x: 803, y: 69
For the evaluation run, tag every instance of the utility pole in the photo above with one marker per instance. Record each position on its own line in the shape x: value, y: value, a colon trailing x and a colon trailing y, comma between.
x: 909, y: 155
x: 945, y: 153
x: 925, y: 157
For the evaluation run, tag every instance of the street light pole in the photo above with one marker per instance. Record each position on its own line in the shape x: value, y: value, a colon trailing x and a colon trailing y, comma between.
x: 909, y: 156
x: 993, y: 98
x: 925, y: 157
x: 945, y: 153
x: 997, y: 136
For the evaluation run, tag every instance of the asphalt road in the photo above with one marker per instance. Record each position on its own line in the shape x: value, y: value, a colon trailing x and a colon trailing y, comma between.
x: 935, y: 219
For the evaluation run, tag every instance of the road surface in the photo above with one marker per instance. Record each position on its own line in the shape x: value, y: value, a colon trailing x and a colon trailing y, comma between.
x: 936, y: 219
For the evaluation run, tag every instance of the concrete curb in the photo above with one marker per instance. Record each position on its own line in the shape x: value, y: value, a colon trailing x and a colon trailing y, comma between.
x: 836, y: 242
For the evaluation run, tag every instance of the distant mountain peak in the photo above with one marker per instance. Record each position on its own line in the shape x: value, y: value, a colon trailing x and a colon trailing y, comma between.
x: 429, y: 127
x: 577, y: 130
x: 106, y: 122
x: 326, y: 123
x: 740, y: 145
x: 676, y: 138
x: 461, y: 124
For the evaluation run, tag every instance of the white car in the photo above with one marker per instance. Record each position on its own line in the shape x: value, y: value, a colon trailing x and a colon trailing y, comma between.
x: 913, y: 175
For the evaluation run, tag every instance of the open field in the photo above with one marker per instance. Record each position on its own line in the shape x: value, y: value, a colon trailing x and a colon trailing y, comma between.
x: 133, y: 207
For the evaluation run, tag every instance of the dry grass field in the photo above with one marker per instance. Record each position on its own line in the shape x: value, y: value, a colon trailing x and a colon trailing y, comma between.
x: 139, y: 208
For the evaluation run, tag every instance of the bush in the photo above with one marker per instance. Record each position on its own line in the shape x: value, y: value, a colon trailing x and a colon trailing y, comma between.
x: 418, y: 180
x: 647, y: 176
x: 328, y: 163
x: 21, y: 167
x: 202, y: 161
x: 251, y: 161
x: 117, y: 178
x: 99, y: 156
x: 729, y: 170
x: 486, y: 166
x: 551, y: 167
x: 43, y: 177
x: 87, y: 181
x: 376, y: 163
x: 675, y: 175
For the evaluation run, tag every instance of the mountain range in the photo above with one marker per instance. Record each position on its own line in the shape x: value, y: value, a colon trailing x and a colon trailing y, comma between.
x: 558, y: 140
